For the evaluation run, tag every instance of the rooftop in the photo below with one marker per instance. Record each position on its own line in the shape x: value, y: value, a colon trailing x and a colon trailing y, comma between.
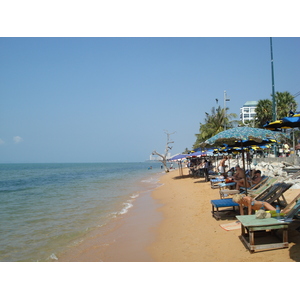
x: 251, y: 103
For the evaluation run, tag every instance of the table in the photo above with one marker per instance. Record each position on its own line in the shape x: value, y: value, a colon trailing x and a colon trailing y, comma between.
x: 253, y: 225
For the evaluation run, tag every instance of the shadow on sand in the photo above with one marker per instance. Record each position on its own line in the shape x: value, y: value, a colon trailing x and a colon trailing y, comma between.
x: 182, y: 177
x: 294, y: 237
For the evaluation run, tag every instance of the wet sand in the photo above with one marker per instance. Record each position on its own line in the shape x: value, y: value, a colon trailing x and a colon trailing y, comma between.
x: 124, y: 239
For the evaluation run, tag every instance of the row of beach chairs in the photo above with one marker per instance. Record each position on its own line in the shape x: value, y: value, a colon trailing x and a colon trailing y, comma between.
x: 270, y: 191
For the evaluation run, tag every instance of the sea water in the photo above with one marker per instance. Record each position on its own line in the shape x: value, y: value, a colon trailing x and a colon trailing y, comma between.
x: 45, y: 208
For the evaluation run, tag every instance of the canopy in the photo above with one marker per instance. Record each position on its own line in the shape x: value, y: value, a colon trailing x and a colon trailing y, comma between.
x: 243, y: 137
x: 178, y: 157
x: 285, y: 123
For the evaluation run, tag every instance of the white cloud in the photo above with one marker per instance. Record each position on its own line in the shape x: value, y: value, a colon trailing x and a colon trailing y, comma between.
x: 1, y: 142
x: 17, y: 139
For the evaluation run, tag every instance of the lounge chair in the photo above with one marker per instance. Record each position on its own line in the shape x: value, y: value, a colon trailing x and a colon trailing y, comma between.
x: 293, y: 213
x: 270, y: 194
x: 215, y: 182
x: 222, y: 203
x: 274, y: 196
x: 291, y: 204
x: 254, y: 191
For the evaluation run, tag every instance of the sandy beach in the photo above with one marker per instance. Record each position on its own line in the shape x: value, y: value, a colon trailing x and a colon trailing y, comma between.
x: 189, y: 233
x: 174, y: 224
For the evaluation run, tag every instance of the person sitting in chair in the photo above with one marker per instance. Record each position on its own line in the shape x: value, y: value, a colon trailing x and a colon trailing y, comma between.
x: 247, y: 201
x: 255, y: 180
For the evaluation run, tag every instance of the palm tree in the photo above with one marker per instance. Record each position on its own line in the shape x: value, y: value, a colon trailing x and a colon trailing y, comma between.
x: 263, y: 112
x: 285, y: 103
x: 214, y: 123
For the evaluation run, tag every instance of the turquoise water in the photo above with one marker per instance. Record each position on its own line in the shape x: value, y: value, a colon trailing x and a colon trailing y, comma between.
x: 46, y: 207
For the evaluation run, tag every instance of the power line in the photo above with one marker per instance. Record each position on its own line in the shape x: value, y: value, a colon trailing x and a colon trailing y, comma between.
x: 296, y: 95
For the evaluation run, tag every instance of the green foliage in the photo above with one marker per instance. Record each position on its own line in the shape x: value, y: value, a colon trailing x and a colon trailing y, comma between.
x: 284, y: 103
x: 263, y: 112
x: 214, y: 123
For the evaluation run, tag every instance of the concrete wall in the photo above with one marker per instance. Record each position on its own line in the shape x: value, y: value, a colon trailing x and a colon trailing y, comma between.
x: 293, y: 160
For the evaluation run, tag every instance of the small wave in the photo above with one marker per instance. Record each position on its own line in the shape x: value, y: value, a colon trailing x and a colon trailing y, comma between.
x: 134, y: 196
x: 127, y: 206
x: 150, y: 180
x: 53, y: 257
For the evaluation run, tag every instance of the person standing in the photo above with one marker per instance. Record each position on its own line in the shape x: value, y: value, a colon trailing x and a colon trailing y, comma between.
x: 222, y: 165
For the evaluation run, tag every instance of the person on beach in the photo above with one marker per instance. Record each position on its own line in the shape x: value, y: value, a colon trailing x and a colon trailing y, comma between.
x: 247, y: 201
x: 239, y: 173
x: 222, y: 165
x: 255, y: 180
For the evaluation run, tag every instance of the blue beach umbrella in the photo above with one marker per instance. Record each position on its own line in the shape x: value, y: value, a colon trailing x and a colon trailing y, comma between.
x: 178, y: 156
x: 284, y: 123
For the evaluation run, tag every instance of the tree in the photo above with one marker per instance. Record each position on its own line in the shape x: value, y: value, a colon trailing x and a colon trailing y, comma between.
x: 285, y: 103
x: 214, y: 123
x: 263, y: 112
x: 164, y: 156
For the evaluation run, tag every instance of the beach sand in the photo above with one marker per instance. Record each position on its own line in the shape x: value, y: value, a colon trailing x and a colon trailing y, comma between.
x: 189, y: 233
x: 174, y: 224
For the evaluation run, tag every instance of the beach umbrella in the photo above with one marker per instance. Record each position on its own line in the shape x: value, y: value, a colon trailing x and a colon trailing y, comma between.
x: 244, y: 137
x: 284, y: 123
x: 178, y: 157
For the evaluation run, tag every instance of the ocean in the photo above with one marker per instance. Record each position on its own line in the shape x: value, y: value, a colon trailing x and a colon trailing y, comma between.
x: 46, y: 209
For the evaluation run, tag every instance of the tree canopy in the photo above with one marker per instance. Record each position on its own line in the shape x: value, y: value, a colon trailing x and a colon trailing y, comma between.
x: 285, y: 103
x: 214, y: 123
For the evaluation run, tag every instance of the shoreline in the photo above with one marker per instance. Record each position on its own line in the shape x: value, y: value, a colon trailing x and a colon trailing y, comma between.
x: 125, y: 238
x: 173, y: 223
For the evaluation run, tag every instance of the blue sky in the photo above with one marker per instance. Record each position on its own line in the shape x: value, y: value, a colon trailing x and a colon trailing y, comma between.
x: 110, y: 99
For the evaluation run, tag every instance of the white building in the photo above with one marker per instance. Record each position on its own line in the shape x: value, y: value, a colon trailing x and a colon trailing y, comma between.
x: 247, y: 112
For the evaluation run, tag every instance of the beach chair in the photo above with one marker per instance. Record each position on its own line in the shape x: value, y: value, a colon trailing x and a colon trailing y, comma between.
x: 291, y: 204
x: 254, y: 191
x: 228, y: 203
x: 293, y: 213
x: 274, y: 197
x: 215, y: 182
x: 270, y: 193
x: 257, y: 185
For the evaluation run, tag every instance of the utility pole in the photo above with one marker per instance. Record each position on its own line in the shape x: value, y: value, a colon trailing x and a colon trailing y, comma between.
x: 274, y: 109
x: 225, y: 99
x: 273, y: 85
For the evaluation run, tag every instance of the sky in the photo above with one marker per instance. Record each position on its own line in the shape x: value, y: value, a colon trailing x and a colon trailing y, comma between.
x: 112, y: 99
x: 105, y: 81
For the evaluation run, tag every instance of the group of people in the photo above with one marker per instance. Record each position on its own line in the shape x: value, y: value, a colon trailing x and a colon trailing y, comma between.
x: 237, y: 175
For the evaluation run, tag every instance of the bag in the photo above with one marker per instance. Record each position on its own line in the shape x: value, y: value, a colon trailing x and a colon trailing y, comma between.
x: 262, y: 214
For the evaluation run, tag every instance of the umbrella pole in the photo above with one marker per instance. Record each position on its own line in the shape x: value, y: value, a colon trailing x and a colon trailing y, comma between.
x: 245, y: 178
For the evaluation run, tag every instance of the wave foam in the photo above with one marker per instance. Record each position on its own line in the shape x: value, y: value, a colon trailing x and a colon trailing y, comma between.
x: 127, y: 206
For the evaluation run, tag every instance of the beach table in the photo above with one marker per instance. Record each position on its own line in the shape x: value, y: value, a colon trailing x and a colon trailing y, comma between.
x: 254, y: 225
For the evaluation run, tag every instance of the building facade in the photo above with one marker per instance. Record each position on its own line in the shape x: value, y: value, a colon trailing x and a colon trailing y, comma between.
x: 247, y: 112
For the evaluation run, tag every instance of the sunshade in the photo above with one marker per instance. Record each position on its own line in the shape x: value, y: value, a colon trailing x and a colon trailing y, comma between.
x: 178, y: 156
x: 248, y: 136
x: 243, y: 137
x: 285, y: 123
